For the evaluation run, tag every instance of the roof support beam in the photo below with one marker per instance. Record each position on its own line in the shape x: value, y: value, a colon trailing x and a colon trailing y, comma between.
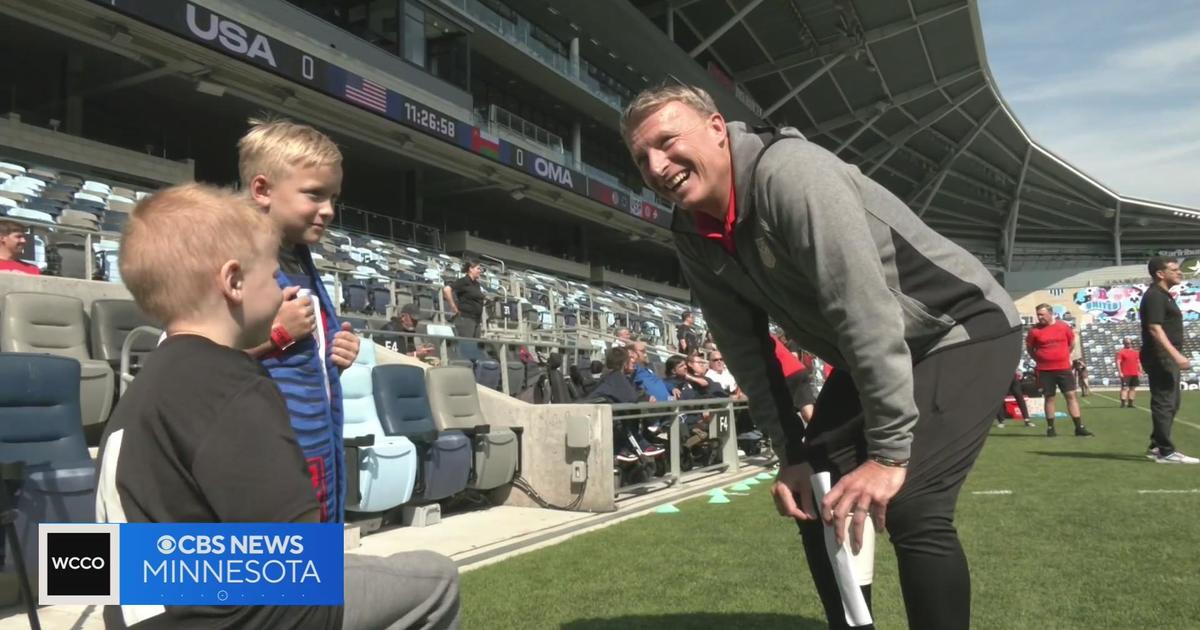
x: 944, y: 168
x: 1117, y: 233
x: 1014, y: 211
x: 858, y: 132
x: 893, y: 144
x: 845, y: 44
x: 721, y: 30
x: 658, y: 8
x: 803, y: 84
x: 898, y: 100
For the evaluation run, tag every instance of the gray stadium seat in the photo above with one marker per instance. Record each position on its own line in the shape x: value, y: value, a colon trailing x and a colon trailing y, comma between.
x: 402, y: 403
x: 455, y: 405
x: 54, y: 324
x: 111, y: 322
x: 40, y: 426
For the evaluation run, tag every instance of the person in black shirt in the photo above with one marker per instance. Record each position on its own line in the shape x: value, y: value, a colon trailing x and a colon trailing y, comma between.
x: 1162, y: 342
x: 686, y: 335
x: 465, y: 299
x: 203, y: 434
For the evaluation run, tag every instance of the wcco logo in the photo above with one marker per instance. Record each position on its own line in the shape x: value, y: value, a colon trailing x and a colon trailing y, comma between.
x: 77, y: 564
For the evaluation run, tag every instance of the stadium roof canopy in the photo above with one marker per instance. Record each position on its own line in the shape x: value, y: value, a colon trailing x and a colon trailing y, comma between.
x: 903, y: 90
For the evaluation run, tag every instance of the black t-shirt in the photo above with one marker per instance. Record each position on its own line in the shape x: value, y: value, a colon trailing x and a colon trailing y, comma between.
x: 687, y: 333
x: 468, y: 296
x: 1158, y: 307
x: 203, y: 436
x: 403, y: 345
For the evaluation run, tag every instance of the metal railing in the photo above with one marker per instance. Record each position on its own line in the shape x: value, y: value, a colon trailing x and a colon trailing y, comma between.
x: 721, y: 424
x: 721, y: 416
x: 507, y: 120
x: 520, y: 35
x: 370, y: 223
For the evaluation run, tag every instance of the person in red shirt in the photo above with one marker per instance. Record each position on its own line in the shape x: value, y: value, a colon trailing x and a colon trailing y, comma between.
x: 1129, y: 366
x: 12, y: 243
x: 1049, y: 343
x: 798, y: 375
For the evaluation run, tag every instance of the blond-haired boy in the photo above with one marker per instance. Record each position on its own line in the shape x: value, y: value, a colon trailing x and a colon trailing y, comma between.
x: 294, y: 173
x: 202, y: 435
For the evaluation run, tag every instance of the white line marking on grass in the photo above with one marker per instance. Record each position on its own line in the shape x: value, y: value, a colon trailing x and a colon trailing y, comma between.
x: 992, y: 492
x: 1179, y: 420
x: 1192, y: 491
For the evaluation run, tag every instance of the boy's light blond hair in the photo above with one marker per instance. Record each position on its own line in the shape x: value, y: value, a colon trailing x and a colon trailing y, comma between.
x: 274, y: 146
x: 177, y: 239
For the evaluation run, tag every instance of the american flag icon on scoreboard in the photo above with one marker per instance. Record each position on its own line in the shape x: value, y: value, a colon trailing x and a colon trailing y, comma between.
x: 366, y: 93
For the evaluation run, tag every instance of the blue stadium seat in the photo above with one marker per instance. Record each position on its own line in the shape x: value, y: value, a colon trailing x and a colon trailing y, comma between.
x: 40, y: 426
x: 387, y: 470
x: 403, y: 406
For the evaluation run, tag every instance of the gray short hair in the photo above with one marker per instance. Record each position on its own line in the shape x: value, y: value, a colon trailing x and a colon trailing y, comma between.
x: 650, y: 100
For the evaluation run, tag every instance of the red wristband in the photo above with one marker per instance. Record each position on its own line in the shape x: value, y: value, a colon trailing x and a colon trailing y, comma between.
x: 281, y: 338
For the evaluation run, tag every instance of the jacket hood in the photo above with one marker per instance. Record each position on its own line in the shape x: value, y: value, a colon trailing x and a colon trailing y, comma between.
x: 745, y: 145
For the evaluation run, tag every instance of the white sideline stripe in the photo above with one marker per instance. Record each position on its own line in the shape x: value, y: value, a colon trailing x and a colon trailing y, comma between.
x: 1192, y: 491
x: 992, y: 492
x: 1177, y: 419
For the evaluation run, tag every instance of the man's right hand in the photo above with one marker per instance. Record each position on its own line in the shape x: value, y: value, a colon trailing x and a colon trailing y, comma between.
x: 296, y: 315
x: 792, y: 482
x: 1183, y: 362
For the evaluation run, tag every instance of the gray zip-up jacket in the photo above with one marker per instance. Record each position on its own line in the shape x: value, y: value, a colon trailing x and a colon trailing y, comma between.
x: 850, y: 273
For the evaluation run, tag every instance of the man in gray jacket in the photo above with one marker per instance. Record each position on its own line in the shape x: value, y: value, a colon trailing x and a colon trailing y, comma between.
x: 772, y: 227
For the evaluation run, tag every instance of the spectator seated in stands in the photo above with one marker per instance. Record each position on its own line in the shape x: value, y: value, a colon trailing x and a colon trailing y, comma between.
x: 624, y: 337
x: 203, y: 433
x: 406, y: 320
x: 719, y: 374
x: 12, y: 244
x: 617, y: 387
x: 654, y: 386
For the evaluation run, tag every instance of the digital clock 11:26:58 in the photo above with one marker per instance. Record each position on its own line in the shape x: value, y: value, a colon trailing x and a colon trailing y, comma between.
x: 430, y: 120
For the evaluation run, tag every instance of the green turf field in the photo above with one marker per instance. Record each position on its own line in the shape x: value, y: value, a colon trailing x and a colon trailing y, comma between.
x: 1074, y: 546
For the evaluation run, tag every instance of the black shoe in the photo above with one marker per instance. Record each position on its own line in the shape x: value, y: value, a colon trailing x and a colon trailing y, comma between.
x: 1081, y: 431
x: 1051, y: 432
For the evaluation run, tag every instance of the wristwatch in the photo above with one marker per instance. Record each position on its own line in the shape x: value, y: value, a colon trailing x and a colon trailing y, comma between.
x: 281, y: 338
x: 889, y: 462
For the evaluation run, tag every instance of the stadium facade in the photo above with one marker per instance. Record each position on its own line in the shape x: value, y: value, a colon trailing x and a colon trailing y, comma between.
x: 490, y: 126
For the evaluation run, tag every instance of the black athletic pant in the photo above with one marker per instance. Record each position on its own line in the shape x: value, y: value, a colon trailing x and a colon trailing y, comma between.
x: 1014, y: 390
x: 956, y: 392
x: 1164, y: 402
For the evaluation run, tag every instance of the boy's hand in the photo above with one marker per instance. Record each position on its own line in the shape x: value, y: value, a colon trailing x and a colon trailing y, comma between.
x: 345, y: 346
x: 296, y: 315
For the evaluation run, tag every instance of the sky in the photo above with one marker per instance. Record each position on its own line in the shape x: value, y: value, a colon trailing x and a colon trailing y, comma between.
x: 1111, y: 86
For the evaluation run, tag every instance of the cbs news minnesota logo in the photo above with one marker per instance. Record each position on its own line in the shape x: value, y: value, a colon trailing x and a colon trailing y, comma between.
x: 213, y: 564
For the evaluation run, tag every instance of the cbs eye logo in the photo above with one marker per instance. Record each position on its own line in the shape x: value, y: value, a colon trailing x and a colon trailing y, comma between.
x: 165, y: 544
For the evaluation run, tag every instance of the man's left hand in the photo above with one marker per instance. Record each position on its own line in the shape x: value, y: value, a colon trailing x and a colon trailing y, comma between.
x: 866, y: 490
x: 345, y: 346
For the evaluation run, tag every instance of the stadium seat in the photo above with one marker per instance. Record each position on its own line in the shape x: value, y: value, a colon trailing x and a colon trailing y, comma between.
x: 455, y: 405
x: 516, y: 375
x: 403, y: 406
x: 111, y: 322
x: 387, y: 470
x: 54, y: 324
x: 40, y: 426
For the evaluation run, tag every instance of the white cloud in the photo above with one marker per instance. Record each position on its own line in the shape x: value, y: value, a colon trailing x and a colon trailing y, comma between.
x: 1116, y: 96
